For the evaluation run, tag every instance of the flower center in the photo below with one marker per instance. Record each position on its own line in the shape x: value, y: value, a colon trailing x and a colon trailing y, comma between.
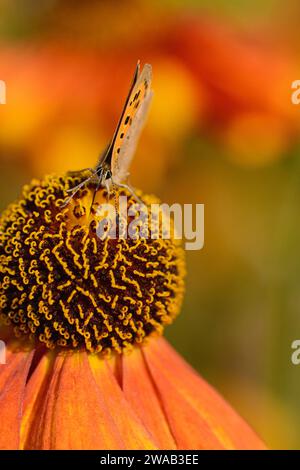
x: 63, y: 285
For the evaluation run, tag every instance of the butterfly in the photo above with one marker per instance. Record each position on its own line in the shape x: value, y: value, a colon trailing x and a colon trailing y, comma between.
x: 113, y: 164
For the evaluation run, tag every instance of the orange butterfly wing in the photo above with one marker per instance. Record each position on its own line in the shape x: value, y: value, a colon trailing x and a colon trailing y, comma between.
x: 131, y: 124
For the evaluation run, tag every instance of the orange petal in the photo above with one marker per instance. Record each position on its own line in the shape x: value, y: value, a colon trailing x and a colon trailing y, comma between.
x: 132, y: 430
x: 140, y: 391
x: 70, y: 412
x: 36, y: 390
x: 13, y: 377
x: 198, y: 416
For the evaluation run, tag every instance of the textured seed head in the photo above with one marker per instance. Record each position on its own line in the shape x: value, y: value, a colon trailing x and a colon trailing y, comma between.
x: 62, y: 285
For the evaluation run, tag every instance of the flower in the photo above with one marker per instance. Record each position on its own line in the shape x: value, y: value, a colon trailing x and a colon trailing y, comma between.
x: 86, y: 366
x: 149, y: 399
x: 64, y: 286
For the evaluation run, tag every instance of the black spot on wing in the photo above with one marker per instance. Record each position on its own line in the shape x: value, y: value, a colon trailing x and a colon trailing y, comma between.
x: 136, y: 95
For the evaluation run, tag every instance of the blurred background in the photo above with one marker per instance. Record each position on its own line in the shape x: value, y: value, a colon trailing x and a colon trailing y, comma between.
x: 222, y: 131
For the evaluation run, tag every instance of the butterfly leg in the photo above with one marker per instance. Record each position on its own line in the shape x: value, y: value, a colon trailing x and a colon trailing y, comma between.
x: 99, y: 182
x: 83, y: 183
x: 76, y: 189
x: 106, y: 177
x: 131, y: 190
